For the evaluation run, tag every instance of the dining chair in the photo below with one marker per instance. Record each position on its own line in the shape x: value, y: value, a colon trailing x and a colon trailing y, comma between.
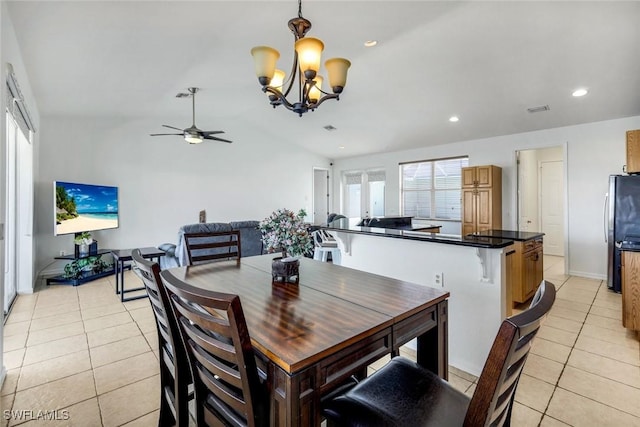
x: 175, y: 375
x: 213, y: 246
x: 402, y: 393
x: 325, y: 244
x: 227, y: 387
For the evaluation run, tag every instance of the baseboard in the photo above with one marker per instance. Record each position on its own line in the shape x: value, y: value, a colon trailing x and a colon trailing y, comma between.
x: 587, y: 275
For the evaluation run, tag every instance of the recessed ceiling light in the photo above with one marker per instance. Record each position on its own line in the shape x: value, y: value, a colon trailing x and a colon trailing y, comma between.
x: 370, y: 43
x: 454, y: 119
x: 580, y: 92
x: 341, y: 147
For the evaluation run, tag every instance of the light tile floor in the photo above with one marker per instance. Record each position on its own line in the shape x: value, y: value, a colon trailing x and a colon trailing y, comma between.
x: 82, y: 352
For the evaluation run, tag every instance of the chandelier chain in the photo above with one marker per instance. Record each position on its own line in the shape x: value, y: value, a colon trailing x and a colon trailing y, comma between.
x: 299, y: 8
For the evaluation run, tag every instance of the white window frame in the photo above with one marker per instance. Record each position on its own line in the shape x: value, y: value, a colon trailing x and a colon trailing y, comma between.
x: 433, y: 188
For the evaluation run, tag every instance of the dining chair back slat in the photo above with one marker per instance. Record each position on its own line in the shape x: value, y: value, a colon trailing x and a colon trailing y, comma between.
x: 213, y: 246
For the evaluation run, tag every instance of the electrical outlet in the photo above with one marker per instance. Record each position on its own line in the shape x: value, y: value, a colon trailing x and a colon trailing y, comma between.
x: 438, y: 279
x: 63, y: 253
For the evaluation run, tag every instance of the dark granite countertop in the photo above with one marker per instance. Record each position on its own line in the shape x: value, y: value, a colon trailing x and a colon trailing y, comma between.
x: 518, y: 236
x: 473, y: 241
x: 630, y: 246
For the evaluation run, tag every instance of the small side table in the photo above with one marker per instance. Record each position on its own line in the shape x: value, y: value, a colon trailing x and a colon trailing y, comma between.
x: 120, y: 256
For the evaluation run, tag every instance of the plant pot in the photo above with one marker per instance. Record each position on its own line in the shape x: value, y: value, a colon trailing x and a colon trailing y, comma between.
x: 285, y: 270
x: 83, y: 250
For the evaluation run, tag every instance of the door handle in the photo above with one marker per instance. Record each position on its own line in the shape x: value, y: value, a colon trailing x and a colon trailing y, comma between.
x: 604, y: 218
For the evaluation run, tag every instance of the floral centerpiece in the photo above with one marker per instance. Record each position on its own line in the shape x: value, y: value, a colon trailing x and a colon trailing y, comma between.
x: 286, y: 232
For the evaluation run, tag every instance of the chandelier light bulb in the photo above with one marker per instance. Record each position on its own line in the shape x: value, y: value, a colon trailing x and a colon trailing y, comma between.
x: 315, y: 91
x: 309, y: 52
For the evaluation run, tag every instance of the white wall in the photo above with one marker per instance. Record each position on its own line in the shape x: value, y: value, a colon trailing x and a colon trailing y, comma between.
x: 163, y: 181
x: 594, y: 151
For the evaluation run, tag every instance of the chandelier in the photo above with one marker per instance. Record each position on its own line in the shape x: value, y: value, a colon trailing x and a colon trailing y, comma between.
x: 306, y: 64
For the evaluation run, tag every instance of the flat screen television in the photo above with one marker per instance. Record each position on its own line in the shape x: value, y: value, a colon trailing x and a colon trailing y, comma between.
x: 84, y: 207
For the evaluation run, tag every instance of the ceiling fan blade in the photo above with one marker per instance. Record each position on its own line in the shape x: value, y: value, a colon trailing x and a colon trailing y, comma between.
x: 162, y: 134
x: 173, y: 127
x: 211, y: 132
x: 214, y: 138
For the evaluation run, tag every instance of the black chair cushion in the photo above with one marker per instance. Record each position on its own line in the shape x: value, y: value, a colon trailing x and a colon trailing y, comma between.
x: 402, y: 394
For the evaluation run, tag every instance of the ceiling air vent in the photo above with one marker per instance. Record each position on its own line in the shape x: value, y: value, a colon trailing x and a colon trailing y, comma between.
x: 182, y: 95
x: 329, y: 128
x: 538, y: 109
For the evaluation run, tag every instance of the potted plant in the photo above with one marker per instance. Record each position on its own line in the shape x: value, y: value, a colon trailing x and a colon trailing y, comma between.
x: 83, y: 240
x: 284, y: 231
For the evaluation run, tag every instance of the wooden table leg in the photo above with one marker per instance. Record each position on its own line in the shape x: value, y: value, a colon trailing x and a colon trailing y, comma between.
x: 433, y: 345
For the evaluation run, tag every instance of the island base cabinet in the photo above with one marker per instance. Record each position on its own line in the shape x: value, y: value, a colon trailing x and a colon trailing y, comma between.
x: 527, y: 269
x: 631, y: 290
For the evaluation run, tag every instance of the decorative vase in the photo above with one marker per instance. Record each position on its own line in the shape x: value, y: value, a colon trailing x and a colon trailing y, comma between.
x: 83, y: 250
x: 285, y: 270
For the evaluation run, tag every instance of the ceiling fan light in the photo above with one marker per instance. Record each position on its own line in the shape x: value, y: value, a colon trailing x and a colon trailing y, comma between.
x: 193, y: 139
x: 314, y: 91
x: 309, y: 52
x: 265, y: 59
x: 337, y: 69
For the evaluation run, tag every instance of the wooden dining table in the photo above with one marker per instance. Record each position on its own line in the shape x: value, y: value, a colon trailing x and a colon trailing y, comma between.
x: 310, y: 337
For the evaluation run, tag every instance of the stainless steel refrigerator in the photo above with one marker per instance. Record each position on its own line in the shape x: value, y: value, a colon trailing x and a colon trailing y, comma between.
x: 622, y: 222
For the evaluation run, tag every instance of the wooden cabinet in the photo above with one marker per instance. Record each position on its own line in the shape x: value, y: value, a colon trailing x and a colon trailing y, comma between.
x: 508, y: 271
x: 631, y: 290
x: 481, y: 198
x: 633, y: 151
x: 527, y: 269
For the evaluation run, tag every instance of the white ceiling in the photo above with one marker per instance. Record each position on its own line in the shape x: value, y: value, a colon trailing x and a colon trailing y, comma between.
x: 486, y: 62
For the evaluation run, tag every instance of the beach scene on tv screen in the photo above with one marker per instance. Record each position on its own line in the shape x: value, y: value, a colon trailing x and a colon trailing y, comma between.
x: 83, y: 207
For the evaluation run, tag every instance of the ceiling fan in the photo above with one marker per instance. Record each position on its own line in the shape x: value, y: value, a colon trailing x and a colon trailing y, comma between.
x: 192, y: 134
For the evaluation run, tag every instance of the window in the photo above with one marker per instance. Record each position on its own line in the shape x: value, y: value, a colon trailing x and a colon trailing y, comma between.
x: 352, y: 194
x: 363, y: 193
x: 431, y: 189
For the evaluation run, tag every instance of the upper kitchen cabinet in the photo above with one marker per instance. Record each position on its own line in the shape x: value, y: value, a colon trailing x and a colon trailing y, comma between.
x: 633, y: 151
x: 481, y: 176
x: 481, y: 198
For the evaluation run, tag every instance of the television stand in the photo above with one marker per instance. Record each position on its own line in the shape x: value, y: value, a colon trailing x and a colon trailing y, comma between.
x: 83, y: 269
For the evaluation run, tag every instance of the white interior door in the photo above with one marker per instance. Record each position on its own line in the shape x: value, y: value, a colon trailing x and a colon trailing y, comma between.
x: 10, y: 276
x: 528, y: 191
x: 552, y: 206
x: 320, y: 195
x: 24, y: 220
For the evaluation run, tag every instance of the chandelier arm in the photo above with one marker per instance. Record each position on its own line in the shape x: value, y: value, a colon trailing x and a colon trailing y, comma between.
x: 292, y: 75
x: 279, y: 95
x: 324, y: 98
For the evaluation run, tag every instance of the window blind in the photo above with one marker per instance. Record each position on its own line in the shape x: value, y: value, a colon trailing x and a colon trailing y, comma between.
x: 432, y: 188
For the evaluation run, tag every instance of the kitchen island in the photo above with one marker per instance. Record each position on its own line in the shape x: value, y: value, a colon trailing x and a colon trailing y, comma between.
x: 472, y: 269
